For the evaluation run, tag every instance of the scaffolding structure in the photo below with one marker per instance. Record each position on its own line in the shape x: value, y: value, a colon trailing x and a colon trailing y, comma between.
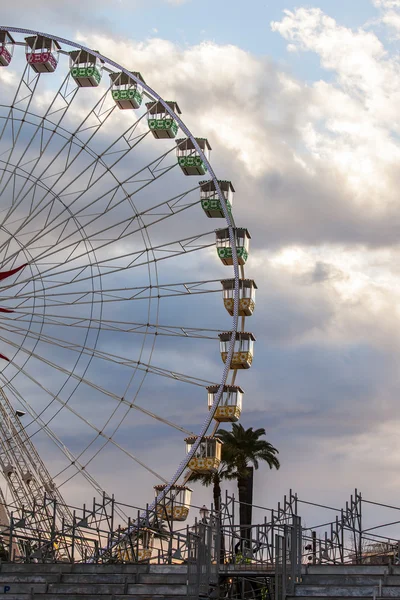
x: 264, y: 564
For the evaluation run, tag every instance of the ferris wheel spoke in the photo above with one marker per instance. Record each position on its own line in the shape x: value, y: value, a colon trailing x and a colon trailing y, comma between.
x: 23, y: 97
x: 105, y: 442
x: 104, y: 267
x: 27, y: 457
x: 112, y: 325
x: 97, y: 161
x: 126, y: 294
x: 91, y: 425
x: 39, y: 180
x: 124, y: 451
x: 80, y: 468
x: 40, y: 207
x: 130, y: 405
x: 97, y: 114
x: 64, y: 96
x: 55, y: 439
x: 171, y: 207
x: 130, y: 180
x: 125, y: 362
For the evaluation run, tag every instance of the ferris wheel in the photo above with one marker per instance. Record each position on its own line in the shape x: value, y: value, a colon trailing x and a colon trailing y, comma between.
x: 122, y: 281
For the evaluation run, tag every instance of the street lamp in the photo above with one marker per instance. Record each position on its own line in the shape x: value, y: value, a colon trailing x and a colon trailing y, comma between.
x: 204, y: 512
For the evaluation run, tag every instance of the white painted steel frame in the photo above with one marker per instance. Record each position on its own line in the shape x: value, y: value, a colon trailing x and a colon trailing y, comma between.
x: 181, y: 468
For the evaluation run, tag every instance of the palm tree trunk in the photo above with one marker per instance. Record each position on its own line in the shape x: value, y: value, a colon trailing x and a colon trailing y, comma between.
x: 249, y: 499
x: 217, y: 492
x: 245, y: 487
x: 217, y: 508
x: 243, y: 512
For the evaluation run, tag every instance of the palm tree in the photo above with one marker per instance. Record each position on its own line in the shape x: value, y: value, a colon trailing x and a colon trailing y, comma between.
x: 214, y: 479
x: 242, y: 452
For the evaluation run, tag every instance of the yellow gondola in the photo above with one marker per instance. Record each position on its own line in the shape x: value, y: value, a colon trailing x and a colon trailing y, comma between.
x: 208, y: 455
x: 230, y: 404
x: 176, y: 503
x: 247, y: 296
x: 242, y: 357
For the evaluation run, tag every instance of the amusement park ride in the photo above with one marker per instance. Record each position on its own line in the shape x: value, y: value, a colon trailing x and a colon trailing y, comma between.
x: 102, y: 253
x: 76, y: 216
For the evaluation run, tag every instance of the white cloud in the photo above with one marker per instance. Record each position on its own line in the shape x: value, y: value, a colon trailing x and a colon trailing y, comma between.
x: 387, y: 3
x: 356, y: 56
x: 336, y: 134
x: 390, y: 15
x: 8, y: 77
x: 351, y: 120
x: 312, y: 165
x: 392, y: 20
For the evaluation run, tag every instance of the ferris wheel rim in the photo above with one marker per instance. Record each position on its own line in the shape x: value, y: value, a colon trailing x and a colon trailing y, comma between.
x: 228, y: 217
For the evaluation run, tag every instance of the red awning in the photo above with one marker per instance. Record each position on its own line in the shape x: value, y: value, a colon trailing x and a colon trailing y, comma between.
x: 5, y: 274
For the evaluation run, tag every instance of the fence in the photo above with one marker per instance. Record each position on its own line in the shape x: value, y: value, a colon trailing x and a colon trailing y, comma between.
x: 203, y: 560
x: 288, y: 559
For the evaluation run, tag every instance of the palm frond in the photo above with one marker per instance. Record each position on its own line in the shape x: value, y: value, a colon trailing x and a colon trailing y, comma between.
x: 205, y: 479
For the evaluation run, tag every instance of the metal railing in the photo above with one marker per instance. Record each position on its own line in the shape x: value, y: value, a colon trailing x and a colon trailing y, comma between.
x: 224, y: 558
x: 203, y: 560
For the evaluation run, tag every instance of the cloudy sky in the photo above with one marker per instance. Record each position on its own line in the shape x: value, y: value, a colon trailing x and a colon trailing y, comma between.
x: 300, y: 103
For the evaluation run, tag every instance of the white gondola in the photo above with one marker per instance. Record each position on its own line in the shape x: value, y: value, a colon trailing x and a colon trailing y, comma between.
x: 224, y: 248
x: 243, y: 351
x: 208, y: 455
x: 230, y: 404
x: 189, y: 159
x: 175, y: 505
x: 86, y: 69
x: 247, y: 296
x: 42, y: 53
x: 160, y: 122
x: 126, y: 92
x: 6, y: 48
x: 210, y: 202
